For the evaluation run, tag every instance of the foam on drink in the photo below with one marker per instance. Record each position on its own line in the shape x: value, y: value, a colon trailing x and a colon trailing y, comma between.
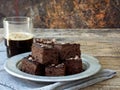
x: 19, y: 36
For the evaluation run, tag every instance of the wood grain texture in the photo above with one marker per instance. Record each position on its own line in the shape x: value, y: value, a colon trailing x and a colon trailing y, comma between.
x: 104, y: 44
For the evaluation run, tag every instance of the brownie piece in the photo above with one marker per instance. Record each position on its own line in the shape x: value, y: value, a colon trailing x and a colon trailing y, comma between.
x: 55, y: 70
x: 45, y: 54
x: 30, y: 66
x: 73, y: 65
x: 67, y: 50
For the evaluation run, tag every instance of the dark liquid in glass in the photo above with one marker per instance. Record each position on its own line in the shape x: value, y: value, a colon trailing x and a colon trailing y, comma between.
x: 15, y: 47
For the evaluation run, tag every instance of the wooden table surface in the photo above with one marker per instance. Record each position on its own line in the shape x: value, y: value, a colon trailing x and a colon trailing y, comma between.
x: 104, y: 44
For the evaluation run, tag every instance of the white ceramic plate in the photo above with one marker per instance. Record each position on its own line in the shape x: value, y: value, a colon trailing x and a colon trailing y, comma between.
x: 90, y: 64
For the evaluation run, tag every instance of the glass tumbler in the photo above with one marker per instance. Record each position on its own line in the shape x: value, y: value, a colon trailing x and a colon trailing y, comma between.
x: 18, y: 35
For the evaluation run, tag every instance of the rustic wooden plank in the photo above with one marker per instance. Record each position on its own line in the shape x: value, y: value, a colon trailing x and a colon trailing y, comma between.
x: 111, y: 84
x: 104, y: 87
x: 103, y: 44
x: 109, y: 60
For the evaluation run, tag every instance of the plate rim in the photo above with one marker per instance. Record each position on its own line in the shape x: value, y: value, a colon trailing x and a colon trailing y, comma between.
x: 11, y: 67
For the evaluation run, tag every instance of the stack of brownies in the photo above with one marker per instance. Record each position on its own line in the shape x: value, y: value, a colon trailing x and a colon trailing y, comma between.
x: 50, y: 58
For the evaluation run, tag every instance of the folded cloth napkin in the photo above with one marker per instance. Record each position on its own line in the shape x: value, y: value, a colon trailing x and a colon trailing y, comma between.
x: 8, y: 82
x: 2, y: 47
x: 3, y: 55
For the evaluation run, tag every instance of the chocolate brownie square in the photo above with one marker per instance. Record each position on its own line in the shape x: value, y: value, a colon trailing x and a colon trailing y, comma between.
x: 55, y: 70
x: 73, y: 65
x: 30, y: 66
x: 67, y: 50
x: 45, y: 54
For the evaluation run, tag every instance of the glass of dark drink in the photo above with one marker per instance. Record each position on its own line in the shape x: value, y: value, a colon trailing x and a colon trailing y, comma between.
x: 18, y: 35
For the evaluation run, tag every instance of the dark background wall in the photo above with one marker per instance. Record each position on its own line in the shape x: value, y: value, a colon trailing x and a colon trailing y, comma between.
x: 65, y: 13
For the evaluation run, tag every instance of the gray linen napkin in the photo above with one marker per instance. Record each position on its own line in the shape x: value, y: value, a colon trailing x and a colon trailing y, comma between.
x: 8, y: 82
